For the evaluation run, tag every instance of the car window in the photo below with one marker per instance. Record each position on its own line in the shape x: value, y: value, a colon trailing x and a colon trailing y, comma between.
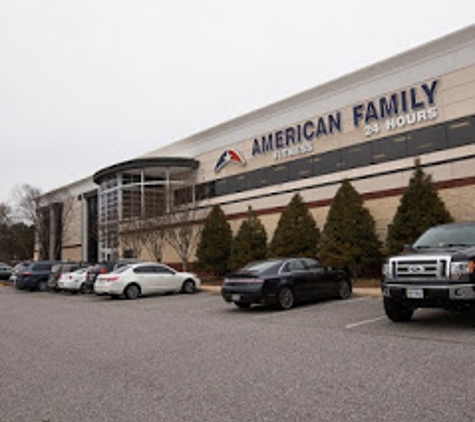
x: 262, y: 267
x: 56, y: 268
x: 80, y: 271
x: 163, y: 270
x: 312, y: 264
x: 293, y: 265
x: 145, y: 269
x: 42, y: 267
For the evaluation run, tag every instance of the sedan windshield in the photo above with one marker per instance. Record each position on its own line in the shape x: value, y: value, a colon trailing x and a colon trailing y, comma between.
x: 447, y: 237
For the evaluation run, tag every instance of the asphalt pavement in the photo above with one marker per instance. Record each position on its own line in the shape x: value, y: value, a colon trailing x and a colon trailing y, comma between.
x: 71, y: 358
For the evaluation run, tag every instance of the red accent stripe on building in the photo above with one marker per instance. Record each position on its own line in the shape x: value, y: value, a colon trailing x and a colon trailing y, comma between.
x: 386, y: 193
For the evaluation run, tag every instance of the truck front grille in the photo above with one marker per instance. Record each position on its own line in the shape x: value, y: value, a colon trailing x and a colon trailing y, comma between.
x: 420, y: 268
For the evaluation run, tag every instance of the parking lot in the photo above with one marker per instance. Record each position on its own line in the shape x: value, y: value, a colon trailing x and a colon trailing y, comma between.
x: 195, y: 358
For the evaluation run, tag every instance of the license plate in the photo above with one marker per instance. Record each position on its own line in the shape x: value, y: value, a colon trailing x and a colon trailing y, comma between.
x: 413, y: 293
x: 236, y: 298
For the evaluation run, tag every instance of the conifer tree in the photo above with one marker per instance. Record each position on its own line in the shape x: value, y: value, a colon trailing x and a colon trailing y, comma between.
x: 349, y: 237
x: 419, y: 209
x: 297, y: 233
x: 250, y: 242
x: 214, y: 247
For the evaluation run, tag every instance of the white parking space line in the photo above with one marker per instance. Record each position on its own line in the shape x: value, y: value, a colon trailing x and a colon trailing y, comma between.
x: 349, y: 301
x: 313, y: 307
x: 333, y: 303
x: 366, y: 321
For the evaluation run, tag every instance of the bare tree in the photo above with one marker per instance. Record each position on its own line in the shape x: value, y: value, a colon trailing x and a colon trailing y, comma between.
x: 45, y: 211
x: 17, y: 238
x: 132, y: 235
x: 154, y: 237
x: 28, y: 209
x: 183, y: 231
x: 5, y: 223
x: 5, y: 214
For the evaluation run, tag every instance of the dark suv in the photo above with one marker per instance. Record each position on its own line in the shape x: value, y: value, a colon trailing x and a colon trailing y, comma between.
x: 34, y: 276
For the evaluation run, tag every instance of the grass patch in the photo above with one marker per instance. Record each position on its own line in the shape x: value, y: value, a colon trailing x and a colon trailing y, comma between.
x: 212, y: 281
x: 367, y: 282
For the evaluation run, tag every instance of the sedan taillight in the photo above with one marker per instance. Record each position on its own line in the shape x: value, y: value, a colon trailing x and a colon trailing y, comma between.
x: 244, y: 280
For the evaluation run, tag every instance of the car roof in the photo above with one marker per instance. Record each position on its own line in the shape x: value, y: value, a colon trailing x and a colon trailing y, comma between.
x: 138, y: 264
x: 459, y: 224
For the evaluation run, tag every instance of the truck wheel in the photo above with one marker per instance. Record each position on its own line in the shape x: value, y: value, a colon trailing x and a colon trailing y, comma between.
x: 396, y: 311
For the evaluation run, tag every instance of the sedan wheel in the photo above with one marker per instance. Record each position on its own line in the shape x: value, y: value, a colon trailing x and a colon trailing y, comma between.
x: 132, y: 292
x: 189, y: 286
x: 344, y: 289
x: 285, y: 298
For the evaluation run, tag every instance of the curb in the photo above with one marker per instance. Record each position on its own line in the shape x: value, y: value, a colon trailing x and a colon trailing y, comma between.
x: 368, y: 291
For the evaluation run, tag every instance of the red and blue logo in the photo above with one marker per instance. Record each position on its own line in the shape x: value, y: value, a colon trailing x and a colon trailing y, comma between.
x: 229, y: 156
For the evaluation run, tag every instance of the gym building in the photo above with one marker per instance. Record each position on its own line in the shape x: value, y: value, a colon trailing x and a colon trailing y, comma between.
x: 368, y: 127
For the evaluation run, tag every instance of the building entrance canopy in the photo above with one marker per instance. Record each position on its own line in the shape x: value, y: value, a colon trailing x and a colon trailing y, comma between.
x: 143, y: 188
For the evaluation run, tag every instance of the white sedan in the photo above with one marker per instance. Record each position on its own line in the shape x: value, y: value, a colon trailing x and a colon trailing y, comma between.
x: 145, y: 278
x: 73, y: 281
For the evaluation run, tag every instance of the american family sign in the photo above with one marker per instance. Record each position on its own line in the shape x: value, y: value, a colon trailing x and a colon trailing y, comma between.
x: 389, y: 112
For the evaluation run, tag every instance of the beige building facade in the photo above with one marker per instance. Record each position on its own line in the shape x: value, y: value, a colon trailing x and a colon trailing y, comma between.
x: 367, y: 127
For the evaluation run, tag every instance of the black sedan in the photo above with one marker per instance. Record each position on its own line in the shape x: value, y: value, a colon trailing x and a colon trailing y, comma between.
x: 284, y: 282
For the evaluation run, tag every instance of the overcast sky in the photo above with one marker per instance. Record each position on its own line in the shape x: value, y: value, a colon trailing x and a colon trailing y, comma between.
x: 85, y: 84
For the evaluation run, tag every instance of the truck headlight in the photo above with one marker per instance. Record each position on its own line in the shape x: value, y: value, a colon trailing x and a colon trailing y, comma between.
x: 459, y: 269
x: 386, y: 270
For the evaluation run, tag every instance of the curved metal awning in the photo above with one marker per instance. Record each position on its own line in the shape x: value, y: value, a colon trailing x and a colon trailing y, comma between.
x: 170, y: 164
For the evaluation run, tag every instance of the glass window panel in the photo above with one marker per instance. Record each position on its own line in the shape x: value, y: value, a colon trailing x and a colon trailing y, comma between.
x: 259, y: 178
x: 221, y: 187
x: 461, y: 132
x: 278, y: 174
x: 237, y: 183
x: 426, y: 140
x: 301, y: 169
x: 388, y: 149
x: 356, y: 156
x: 328, y: 162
